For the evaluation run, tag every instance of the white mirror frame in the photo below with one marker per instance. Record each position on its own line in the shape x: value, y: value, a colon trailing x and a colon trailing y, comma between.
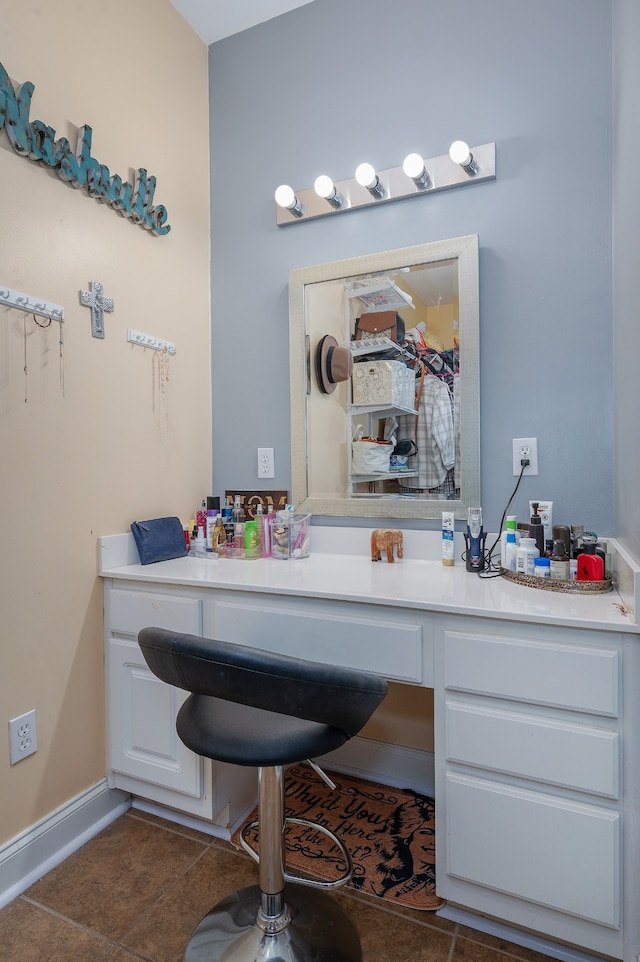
x: 465, y: 251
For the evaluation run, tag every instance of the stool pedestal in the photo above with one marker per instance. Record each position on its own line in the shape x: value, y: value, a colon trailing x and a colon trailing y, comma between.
x: 319, y: 931
x: 270, y: 922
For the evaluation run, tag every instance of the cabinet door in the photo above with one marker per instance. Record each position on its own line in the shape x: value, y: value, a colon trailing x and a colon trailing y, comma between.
x: 552, y: 851
x: 143, y: 739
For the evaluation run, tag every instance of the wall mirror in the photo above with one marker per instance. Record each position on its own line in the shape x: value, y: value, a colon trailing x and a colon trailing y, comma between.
x: 434, y: 290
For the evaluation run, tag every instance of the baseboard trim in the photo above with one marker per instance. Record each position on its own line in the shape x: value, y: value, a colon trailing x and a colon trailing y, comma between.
x: 391, y: 765
x: 381, y: 762
x: 33, y: 853
x: 528, y: 940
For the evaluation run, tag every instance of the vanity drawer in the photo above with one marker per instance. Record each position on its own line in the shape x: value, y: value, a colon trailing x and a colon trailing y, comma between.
x: 543, y: 849
x: 391, y: 644
x: 130, y: 611
x: 577, y: 757
x: 525, y: 669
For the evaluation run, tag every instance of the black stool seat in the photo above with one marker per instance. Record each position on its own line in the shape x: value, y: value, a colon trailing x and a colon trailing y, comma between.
x: 253, y: 707
x: 252, y: 736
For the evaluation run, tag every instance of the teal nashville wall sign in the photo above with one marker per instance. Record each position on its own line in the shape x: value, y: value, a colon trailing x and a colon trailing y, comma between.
x: 34, y: 139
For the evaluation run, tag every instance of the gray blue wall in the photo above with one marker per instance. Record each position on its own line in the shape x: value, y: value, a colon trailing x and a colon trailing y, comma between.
x: 333, y: 83
x: 626, y: 246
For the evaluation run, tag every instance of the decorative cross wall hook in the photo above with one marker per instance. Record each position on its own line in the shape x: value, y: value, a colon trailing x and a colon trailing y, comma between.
x: 98, y: 304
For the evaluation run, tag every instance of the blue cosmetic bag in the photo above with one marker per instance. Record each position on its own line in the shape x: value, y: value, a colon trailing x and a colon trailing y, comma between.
x: 159, y: 539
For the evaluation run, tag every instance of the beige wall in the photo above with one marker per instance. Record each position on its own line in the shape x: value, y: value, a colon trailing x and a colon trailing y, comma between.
x: 112, y: 449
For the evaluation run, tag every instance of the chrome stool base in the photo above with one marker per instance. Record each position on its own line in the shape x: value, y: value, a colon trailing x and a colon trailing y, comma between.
x: 319, y: 931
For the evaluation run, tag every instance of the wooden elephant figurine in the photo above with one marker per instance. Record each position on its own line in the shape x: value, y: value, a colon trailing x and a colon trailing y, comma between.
x: 384, y: 539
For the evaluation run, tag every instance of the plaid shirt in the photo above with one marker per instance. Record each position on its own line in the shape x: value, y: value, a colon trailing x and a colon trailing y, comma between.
x: 436, y: 436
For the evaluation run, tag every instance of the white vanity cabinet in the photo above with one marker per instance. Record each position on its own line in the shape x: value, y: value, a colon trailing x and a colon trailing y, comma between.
x: 537, y: 720
x: 144, y: 754
x: 528, y: 775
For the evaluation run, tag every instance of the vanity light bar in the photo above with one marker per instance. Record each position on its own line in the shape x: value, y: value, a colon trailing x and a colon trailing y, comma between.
x: 395, y: 183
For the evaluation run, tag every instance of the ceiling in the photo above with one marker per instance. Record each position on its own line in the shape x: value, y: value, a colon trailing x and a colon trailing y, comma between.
x: 214, y: 19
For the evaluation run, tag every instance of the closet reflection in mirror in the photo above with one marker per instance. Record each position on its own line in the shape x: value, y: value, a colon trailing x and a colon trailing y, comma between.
x: 409, y: 318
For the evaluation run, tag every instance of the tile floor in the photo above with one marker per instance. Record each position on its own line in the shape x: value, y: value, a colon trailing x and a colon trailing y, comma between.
x: 137, y: 891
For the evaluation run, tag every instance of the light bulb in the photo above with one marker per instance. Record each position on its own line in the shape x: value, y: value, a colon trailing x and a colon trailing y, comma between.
x: 366, y: 176
x: 413, y: 166
x: 285, y: 197
x: 460, y: 154
x: 325, y: 187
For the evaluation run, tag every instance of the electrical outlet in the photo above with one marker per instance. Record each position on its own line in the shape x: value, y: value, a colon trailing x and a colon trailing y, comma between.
x: 23, y: 740
x: 525, y: 448
x: 266, y: 468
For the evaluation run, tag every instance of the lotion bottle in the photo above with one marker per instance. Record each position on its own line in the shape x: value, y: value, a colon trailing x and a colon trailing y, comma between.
x: 510, y: 551
x: 510, y: 525
x: 536, y: 529
x: 448, y: 542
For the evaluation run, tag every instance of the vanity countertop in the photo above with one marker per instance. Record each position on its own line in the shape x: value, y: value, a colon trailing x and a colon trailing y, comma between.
x: 407, y: 583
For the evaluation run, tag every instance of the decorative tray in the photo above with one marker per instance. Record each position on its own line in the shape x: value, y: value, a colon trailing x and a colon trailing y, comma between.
x: 551, y: 584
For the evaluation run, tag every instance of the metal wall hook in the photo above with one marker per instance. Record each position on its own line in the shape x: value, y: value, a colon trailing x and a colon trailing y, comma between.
x: 147, y: 340
x: 32, y: 305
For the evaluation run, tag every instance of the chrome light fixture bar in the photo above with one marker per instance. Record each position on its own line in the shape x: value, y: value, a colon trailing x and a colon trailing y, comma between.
x: 369, y: 187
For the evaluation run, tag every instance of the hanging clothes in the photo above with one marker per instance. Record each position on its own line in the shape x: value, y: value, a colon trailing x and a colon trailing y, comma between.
x: 435, y: 435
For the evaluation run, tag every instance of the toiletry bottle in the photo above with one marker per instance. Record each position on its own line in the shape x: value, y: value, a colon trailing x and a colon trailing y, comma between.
x: 258, y: 519
x: 544, y: 510
x: 238, y: 529
x: 542, y: 567
x: 510, y: 552
x: 448, y: 549
x: 201, y: 517
x: 536, y: 529
x: 562, y: 532
x: 200, y: 545
x: 267, y: 521
x: 250, y: 540
x: 559, y: 562
x: 211, y: 523
x: 590, y: 564
x: 218, y: 536
x: 227, y: 522
x: 510, y: 525
x: 601, y: 549
x: 526, y: 555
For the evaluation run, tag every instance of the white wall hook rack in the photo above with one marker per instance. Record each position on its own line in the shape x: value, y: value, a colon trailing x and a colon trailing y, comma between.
x: 32, y: 305
x: 146, y: 340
